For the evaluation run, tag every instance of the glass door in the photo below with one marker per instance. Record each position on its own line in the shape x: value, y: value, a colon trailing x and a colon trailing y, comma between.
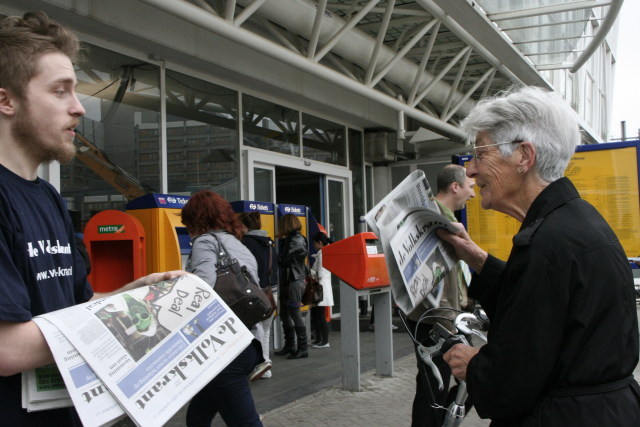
x: 264, y: 184
x: 336, y: 208
x: 260, y: 179
x: 339, y: 217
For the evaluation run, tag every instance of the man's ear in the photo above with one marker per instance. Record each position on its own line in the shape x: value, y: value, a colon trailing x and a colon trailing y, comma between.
x: 6, y: 103
x: 454, y: 187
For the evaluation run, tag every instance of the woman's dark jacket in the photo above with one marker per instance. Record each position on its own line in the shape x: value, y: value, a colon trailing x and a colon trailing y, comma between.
x: 294, y: 251
x: 263, y: 249
x: 563, y: 340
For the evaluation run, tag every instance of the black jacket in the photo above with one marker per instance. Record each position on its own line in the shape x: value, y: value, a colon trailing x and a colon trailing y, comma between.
x: 262, y: 247
x: 294, y: 251
x: 563, y: 322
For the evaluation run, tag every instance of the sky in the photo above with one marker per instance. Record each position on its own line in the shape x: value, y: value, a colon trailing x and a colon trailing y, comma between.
x: 626, y: 91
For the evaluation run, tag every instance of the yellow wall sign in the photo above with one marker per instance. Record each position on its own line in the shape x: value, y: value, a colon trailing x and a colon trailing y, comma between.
x: 606, y: 175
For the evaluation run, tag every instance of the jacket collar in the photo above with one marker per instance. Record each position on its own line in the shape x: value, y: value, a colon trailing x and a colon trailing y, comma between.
x: 552, y: 197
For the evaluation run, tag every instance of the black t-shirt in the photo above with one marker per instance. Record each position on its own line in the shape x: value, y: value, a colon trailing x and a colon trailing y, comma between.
x: 41, y: 272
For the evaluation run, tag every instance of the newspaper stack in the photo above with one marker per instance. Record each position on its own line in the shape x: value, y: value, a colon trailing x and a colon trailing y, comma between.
x: 143, y: 353
x: 406, y: 221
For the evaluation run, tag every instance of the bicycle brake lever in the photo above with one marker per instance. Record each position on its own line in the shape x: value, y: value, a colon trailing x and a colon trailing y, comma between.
x: 425, y: 355
x: 451, y: 341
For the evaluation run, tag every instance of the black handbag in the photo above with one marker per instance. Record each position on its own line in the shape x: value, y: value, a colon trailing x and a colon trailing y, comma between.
x: 239, y: 291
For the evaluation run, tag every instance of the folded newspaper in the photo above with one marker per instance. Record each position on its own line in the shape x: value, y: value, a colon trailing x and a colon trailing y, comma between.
x: 143, y: 353
x: 406, y: 221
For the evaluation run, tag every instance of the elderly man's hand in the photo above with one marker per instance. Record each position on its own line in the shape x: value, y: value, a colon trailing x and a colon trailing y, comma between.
x: 466, y: 249
x: 458, y: 359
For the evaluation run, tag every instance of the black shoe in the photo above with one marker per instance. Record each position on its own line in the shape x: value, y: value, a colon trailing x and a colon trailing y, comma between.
x: 299, y: 354
x: 284, y: 351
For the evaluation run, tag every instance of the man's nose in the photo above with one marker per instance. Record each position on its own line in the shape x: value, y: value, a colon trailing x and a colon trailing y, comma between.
x: 77, y: 109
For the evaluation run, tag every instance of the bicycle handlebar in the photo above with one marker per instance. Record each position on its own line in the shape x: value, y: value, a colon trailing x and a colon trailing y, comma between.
x: 445, y: 339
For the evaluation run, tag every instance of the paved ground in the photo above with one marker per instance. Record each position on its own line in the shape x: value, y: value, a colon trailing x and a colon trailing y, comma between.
x: 307, y: 392
x: 383, y: 401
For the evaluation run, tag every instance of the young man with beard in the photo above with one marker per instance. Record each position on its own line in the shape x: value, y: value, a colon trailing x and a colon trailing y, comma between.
x: 39, y: 111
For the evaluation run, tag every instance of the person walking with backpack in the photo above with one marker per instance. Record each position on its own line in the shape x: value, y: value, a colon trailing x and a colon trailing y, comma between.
x: 263, y: 249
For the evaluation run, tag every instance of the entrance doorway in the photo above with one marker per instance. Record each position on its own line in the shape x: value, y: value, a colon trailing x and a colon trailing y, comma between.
x: 298, y: 187
x: 324, y: 188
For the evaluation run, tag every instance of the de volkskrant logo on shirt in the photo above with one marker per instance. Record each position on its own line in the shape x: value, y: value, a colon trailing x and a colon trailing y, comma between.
x: 46, y: 247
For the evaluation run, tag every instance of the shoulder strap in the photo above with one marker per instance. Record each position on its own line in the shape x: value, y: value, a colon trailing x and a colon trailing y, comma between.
x: 270, y: 259
x: 223, y: 256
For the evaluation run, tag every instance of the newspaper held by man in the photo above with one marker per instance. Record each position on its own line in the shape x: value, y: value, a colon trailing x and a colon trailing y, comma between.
x: 94, y: 403
x: 406, y: 221
x: 154, y: 347
x: 43, y: 388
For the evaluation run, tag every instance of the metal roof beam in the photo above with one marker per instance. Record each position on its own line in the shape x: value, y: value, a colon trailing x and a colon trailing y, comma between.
x: 612, y: 15
x: 402, y: 52
x: 398, y: 22
x: 215, y: 24
x: 490, y: 73
x: 397, y: 11
x: 554, y: 39
x: 474, y: 28
x: 456, y: 84
x: 439, y: 77
x: 345, y: 29
x: 379, y: 40
x: 423, y: 63
x: 229, y: 10
x: 550, y: 24
x: 315, y: 32
x: 247, y: 12
x: 548, y: 10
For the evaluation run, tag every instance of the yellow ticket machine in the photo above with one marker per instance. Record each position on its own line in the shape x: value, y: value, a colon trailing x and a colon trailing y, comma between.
x: 168, y: 242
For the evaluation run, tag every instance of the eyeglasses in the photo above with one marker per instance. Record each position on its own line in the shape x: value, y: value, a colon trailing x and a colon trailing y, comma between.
x: 477, y: 156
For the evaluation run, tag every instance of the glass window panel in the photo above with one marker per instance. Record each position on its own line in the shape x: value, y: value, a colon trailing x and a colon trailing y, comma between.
x: 398, y: 173
x: 369, y: 179
x: 323, y: 140
x: 356, y: 165
x: 557, y: 34
x: 270, y: 126
x: 336, y: 228
x: 263, y: 185
x: 431, y: 171
x: 202, y: 136
x: 336, y: 210
x: 121, y: 98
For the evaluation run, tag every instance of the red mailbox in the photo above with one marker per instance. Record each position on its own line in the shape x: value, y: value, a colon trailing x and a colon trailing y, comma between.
x: 357, y: 260
x: 116, y: 246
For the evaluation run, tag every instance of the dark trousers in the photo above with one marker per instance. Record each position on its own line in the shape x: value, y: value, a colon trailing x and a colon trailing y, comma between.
x: 423, y: 413
x: 319, y: 322
x: 291, y: 317
x: 229, y: 394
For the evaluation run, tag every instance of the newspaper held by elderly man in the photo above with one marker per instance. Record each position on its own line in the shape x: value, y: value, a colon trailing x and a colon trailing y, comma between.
x: 152, y: 349
x: 406, y: 221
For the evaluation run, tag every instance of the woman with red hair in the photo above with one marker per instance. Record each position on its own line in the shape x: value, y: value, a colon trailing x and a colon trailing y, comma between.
x: 211, y: 221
